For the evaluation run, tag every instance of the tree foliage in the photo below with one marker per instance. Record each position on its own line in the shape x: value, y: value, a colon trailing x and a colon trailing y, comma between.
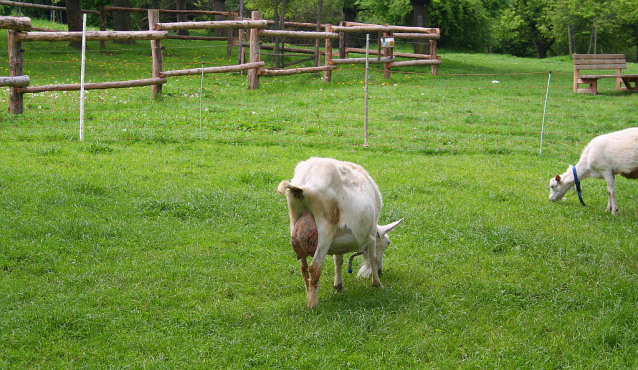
x: 521, y: 27
x: 300, y: 10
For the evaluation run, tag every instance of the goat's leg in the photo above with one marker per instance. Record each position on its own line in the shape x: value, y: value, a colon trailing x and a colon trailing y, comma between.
x: 375, y: 273
x: 315, y: 271
x: 611, y: 194
x: 313, y: 284
x: 326, y: 230
x: 304, y: 272
x: 371, y: 251
x: 338, y: 284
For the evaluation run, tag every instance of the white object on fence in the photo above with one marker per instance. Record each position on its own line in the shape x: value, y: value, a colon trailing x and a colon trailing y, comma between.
x: 387, y: 42
x: 365, y: 122
x: 82, y: 78
x: 544, y: 112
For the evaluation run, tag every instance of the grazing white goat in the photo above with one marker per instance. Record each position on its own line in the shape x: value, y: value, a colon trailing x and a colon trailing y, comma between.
x: 604, y: 157
x: 334, y: 209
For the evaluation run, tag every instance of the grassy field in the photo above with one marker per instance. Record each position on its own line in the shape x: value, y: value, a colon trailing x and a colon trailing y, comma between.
x: 478, y: 102
x: 153, y: 248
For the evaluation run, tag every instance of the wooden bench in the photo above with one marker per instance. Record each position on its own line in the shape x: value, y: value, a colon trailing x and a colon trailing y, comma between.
x: 598, y: 62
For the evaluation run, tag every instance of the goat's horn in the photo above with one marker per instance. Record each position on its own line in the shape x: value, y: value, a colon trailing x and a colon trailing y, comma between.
x: 382, y: 230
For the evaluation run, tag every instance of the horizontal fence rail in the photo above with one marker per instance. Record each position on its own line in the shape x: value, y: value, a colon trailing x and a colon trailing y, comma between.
x: 222, y: 69
x: 18, y: 81
x: 91, y: 36
x: 95, y: 86
x: 159, y: 31
x: 212, y: 25
x: 305, y: 34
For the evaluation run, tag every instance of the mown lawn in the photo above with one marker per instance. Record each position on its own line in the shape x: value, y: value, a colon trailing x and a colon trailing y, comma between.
x: 177, y: 255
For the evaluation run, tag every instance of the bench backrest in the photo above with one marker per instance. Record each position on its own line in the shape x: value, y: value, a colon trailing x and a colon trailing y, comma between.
x: 599, y: 61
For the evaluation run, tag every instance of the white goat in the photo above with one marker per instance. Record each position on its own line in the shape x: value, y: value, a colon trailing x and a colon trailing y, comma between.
x: 604, y: 157
x: 334, y: 209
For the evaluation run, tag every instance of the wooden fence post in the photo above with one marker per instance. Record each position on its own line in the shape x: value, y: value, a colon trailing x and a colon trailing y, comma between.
x: 253, y: 74
x: 342, y: 42
x: 156, y: 51
x: 231, y: 17
x: 387, y: 52
x: 435, y: 67
x: 15, y: 69
x: 103, y: 15
x: 327, y: 75
x: 379, y: 35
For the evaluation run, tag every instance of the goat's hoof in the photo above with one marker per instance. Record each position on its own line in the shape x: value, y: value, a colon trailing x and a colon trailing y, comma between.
x: 338, y: 287
x: 313, y: 302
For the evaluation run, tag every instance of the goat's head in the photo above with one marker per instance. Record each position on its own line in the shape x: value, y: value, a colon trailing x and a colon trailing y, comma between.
x: 558, y: 187
x: 382, y: 243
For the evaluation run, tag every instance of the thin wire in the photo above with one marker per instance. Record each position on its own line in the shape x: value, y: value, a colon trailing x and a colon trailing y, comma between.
x: 83, y: 68
x: 545, y: 112
x: 201, y: 90
x: 365, y: 125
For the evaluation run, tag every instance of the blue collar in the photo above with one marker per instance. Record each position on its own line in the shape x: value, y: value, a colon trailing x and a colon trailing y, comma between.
x: 580, y: 196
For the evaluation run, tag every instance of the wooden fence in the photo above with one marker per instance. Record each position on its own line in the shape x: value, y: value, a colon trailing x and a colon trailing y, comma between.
x: 18, y: 29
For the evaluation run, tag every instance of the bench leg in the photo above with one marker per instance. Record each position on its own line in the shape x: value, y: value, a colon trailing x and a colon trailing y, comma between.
x: 627, y: 81
x: 592, y: 87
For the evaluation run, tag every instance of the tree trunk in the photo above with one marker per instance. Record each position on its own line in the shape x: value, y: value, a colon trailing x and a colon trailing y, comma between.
x: 275, y: 56
x: 541, y: 49
x: 181, y: 5
x: 279, y: 59
x: 350, y: 10
x: 317, y: 42
x: 420, y: 9
x: 282, y: 19
x: 541, y: 44
x: 283, y: 13
x: 74, y: 19
x: 219, y: 6
x: 122, y: 20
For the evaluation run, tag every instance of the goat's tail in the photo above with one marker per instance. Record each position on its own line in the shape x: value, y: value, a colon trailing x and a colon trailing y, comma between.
x: 283, y: 186
x: 365, y: 270
x: 286, y: 185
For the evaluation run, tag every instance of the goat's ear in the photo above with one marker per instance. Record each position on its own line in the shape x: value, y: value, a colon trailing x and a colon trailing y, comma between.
x: 382, y: 230
x: 557, y: 178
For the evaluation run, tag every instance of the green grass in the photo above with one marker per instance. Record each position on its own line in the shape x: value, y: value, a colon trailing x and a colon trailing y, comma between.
x: 177, y: 255
x: 153, y: 248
